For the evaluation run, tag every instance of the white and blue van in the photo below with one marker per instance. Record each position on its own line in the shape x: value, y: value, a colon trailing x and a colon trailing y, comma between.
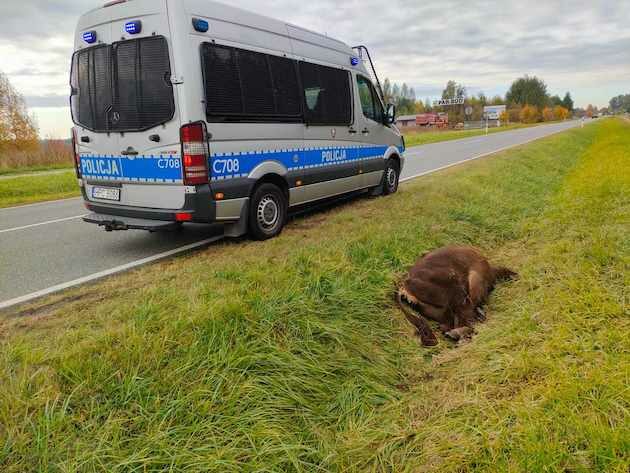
x: 196, y: 111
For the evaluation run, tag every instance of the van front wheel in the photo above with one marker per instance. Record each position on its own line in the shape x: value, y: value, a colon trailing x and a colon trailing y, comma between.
x: 390, y: 177
x: 267, y: 211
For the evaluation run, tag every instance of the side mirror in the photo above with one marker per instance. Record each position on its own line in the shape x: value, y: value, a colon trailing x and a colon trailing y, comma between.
x: 390, y: 114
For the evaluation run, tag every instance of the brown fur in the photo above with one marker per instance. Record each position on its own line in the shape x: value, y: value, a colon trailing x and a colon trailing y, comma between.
x: 449, y: 285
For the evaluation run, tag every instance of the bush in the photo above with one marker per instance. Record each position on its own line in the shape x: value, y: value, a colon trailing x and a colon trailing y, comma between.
x: 547, y: 114
x: 50, y: 153
x: 560, y: 113
x: 529, y: 114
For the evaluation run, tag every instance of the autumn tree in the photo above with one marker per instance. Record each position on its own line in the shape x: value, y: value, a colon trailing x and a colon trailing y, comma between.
x: 17, y: 128
x: 547, y: 114
x: 560, y: 112
x: 529, y: 114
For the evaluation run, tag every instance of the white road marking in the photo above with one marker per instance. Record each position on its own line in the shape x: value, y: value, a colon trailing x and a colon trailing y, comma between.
x: 24, y: 227
x: 107, y: 272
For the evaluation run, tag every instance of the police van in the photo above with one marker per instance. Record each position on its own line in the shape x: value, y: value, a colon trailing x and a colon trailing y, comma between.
x: 196, y: 111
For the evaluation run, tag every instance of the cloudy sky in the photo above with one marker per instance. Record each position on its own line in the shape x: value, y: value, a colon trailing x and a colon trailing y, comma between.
x: 577, y: 46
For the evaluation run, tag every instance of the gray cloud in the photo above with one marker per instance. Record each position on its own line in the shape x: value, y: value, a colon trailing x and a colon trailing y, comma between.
x: 572, y: 44
x: 46, y: 101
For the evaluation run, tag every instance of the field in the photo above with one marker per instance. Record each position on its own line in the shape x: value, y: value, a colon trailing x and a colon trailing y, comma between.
x: 24, y: 189
x: 290, y: 354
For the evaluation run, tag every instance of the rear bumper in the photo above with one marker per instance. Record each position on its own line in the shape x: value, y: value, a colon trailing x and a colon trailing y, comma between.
x: 112, y: 222
x: 199, y: 205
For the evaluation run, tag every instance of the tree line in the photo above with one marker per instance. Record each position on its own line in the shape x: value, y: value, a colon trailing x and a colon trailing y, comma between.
x: 527, y: 100
x: 620, y: 104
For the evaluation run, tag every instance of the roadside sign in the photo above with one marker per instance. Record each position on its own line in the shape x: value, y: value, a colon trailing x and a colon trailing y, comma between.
x: 446, y: 102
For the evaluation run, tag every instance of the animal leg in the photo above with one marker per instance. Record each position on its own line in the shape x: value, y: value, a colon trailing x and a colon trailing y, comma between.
x: 422, y: 326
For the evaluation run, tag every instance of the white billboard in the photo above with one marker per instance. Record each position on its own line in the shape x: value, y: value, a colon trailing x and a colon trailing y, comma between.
x: 493, y: 112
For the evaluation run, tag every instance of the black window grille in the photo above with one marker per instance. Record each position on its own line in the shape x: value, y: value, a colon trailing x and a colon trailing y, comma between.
x: 125, y: 86
x: 248, y: 85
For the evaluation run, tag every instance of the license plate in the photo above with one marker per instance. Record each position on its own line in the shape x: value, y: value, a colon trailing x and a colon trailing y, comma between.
x: 106, y: 193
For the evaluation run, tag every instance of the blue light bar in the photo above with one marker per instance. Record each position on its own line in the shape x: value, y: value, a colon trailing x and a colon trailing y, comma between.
x: 133, y: 27
x: 200, y: 25
x: 89, y: 37
x: 354, y: 61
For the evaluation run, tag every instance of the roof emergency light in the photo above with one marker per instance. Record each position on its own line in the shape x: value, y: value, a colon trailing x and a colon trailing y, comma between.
x: 133, y: 27
x: 89, y: 37
x: 200, y: 25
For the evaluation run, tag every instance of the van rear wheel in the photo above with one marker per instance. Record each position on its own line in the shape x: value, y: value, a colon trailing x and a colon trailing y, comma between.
x: 267, y: 211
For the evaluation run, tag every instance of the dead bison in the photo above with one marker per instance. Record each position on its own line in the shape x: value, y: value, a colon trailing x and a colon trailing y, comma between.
x: 449, y: 285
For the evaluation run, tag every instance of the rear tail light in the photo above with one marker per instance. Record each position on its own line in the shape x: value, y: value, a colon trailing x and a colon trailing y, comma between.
x: 194, y: 153
x: 75, y: 154
x: 183, y: 216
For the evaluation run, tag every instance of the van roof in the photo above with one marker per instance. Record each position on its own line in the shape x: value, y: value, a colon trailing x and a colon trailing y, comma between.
x: 213, y: 10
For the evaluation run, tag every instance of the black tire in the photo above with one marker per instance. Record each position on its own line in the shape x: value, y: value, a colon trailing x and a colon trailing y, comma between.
x: 267, y: 211
x: 391, y: 177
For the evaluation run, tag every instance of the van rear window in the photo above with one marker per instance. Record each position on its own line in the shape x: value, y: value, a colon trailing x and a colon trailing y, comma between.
x: 122, y: 87
x: 248, y: 85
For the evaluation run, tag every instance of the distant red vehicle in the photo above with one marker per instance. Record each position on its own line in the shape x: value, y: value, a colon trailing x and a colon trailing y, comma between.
x: 438, y: 120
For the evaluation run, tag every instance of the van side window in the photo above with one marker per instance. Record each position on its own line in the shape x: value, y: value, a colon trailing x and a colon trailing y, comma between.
x: 327, y: 99
x: 370, y: 102
x: 250, y: 86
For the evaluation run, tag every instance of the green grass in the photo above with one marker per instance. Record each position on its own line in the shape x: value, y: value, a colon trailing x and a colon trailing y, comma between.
x: 290, y: 354
x: 37, y: 188
x: 35, y: 169
x: 414, y: 138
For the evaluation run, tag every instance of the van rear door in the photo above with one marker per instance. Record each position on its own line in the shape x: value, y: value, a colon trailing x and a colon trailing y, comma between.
x: 125, y: 105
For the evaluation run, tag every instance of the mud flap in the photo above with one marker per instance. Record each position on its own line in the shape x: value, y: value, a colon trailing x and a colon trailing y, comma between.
x: 238, y: 228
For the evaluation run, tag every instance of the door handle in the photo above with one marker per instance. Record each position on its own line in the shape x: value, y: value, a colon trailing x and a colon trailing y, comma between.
x: 129, y: 152
x: 351, y: 130
x: 365, y: 131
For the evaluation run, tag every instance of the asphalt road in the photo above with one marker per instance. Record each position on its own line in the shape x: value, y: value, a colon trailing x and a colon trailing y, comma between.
x: 47, y: 247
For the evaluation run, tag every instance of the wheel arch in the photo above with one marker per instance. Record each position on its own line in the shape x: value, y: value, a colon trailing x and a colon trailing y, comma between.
x: 272, y: 178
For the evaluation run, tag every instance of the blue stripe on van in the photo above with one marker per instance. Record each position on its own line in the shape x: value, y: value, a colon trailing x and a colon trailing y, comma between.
x: 167, y: 169
x: 240, y: 164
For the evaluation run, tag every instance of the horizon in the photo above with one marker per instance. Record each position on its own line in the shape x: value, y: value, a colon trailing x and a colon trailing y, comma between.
x: 587, y: 53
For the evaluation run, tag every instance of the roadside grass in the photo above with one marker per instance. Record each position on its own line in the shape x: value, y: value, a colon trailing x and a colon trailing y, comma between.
x: 290, y: 354
x: 37, y: 188
x: 415, y: 138
x: 34, y: 169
